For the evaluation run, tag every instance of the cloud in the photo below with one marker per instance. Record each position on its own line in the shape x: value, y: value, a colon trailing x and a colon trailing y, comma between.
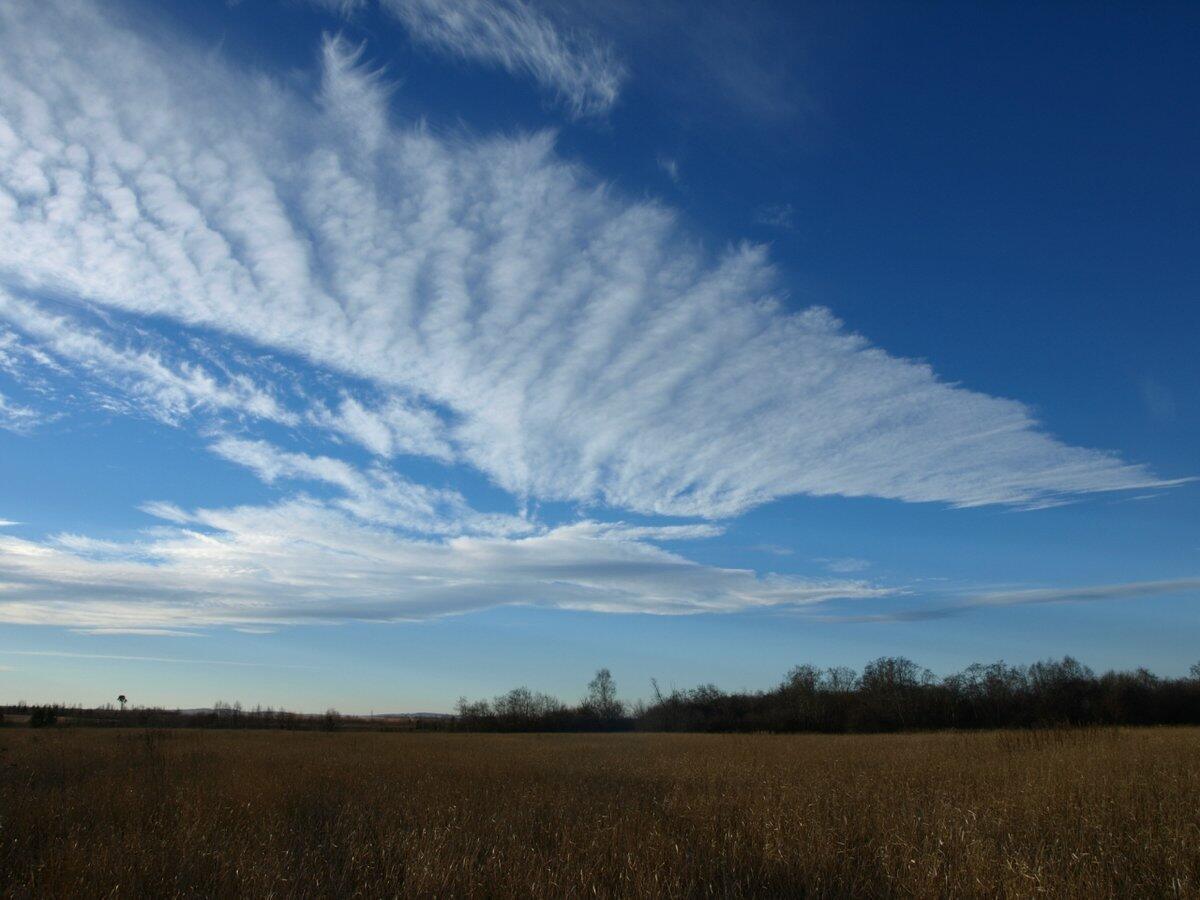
x: 17, y: 418
x: 379, y: 496
x: 304, y: 561
x: 1127, y: 591
x: 844, y: 564
x: 394, y: 426
x: 1133, y: 590
x: 670, y: 166
x: 575, y: 66
x: 507, y: 310
x: 773, y: 549
x: 344, y: 8
x: 1158, y: 399
x: 738, y: 62
x: 8, y: 523
x: 62, y: 654
x: 144, y: 632
x: 776, y: 215
x: 143, y: 379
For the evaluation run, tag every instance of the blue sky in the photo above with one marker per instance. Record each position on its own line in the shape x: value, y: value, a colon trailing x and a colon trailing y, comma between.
x: 368, y: 354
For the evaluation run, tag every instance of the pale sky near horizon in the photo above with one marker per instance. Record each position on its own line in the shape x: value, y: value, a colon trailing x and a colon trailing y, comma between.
x: 372, y: 353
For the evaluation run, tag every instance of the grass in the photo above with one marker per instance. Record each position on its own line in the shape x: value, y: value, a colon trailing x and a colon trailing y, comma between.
x: 1097, y: 813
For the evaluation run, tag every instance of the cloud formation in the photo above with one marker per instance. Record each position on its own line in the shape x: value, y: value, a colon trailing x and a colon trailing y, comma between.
x: 570, y: 343
x: 304, y: 561
x: 1133, y: 590
x: 582, y: 71
x: 133, y: 377
x: 378, y: 496
x: 18, y: 418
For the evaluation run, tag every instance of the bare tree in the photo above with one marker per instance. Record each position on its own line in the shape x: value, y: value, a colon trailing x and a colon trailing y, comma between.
x: 602, y: 699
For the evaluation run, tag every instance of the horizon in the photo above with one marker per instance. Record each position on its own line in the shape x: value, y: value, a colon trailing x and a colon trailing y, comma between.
x: 630, y: 700
x: 375, y: 353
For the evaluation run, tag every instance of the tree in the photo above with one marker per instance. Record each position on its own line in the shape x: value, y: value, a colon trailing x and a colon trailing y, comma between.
x: 122, y: 699
x: 802, y: 679
x: 839, y: 680
x: 602, y: 699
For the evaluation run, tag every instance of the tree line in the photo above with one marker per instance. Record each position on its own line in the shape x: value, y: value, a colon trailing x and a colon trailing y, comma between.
x: 891, y: 693
x: 219, y: 715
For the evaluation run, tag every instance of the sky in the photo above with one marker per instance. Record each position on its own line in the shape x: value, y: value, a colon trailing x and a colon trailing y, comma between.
x: 372, y: 353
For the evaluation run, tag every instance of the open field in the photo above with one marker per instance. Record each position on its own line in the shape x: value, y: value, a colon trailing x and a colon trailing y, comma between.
x: 90, y: 812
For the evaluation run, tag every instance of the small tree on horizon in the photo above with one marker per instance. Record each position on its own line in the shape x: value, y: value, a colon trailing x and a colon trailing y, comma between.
x: 122, y: 699
x: 602, y: 699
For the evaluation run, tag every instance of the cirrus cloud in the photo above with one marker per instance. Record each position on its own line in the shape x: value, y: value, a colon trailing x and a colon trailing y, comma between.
x: 574, y: 65
x: 304, y: 561
x: 583, y: 345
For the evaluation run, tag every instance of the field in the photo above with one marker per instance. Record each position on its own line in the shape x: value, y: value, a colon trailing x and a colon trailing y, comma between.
x: 1097, y: 813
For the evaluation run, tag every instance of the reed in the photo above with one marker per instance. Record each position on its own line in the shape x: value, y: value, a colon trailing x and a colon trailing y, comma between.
x: 1083, y: 813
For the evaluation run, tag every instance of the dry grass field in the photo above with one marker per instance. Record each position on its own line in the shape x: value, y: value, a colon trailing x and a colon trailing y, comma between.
x: 96, y: 813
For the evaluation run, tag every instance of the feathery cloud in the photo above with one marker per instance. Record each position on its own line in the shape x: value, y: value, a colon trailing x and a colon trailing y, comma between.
x: 582, y: 345
x: 305, y: 561
x: 670, y: 166
x: 17, y: 418
x: 1134, y: 590
x: 581, y: 70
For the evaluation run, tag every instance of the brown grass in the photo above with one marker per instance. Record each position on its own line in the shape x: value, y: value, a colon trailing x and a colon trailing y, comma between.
x: 95, y: 813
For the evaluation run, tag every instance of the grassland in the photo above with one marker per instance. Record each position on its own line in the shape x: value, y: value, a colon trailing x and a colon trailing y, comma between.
x: 1098, y: 813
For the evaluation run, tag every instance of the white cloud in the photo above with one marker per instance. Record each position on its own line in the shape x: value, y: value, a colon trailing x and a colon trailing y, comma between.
x: 844, y: 565
x: 776, y: 215
x: 379, y: 496
x: 8, y: 523
x: 669, y: 166
x: 18, y: 418
x: 394, y: 426
x: 340, y: 7
x: 582, y: 71
x: 145, y: 381
x: 1133, y: 590
x: 304, y: 561
x: 1074, y: 594
x: 570, y: 343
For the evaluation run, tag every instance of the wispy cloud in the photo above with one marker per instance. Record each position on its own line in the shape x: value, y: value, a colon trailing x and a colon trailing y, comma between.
x: 378, y: 496
x: 338, y: 7
x: 773, y: 549
x: 391, y: 427
x: 304, y: 561
x: 582, y: 346
x: 138, y: 378
x: 844, y: 564
x: 1158, y: 399
x: 581, y: 70
x: 18, y: 418
x: 670, y: 166
x: 1133, y: 590
x: 776, y: 215
x: 62, y: 654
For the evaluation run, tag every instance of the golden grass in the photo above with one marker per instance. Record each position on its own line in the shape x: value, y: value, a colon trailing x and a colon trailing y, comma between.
x: 93, y: 813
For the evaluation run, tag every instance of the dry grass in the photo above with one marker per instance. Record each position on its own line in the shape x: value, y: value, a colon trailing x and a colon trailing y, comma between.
x: 95, y: 813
